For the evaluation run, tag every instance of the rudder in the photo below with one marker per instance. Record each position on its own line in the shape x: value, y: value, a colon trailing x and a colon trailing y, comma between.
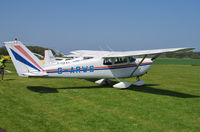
x: 23, y: 59
x: 49, y: 57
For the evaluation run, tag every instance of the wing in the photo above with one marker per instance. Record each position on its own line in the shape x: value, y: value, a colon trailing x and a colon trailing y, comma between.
x: 105, y: 54
x: 90, y: 53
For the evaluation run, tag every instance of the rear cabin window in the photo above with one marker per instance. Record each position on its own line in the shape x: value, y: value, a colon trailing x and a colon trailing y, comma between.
x: 107, y: 61
x: 119, y: 60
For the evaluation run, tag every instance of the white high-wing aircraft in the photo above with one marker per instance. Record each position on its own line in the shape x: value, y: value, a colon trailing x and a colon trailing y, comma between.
x: 50, y: 59
x: 94, y: 64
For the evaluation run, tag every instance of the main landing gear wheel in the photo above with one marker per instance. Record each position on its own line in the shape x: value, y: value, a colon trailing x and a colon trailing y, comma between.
x: 139, y: 82
x: 103, y: 82
x: 122, y: 85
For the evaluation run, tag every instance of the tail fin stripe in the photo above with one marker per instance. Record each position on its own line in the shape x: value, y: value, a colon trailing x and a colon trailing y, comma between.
x: 27, y: 55
x: 21, y: 59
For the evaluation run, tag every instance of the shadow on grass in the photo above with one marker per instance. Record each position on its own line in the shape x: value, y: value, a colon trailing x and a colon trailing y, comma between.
x: 148, y: 88
x: 41, y: 89
x: 8, y: 79
x: 2, y: 130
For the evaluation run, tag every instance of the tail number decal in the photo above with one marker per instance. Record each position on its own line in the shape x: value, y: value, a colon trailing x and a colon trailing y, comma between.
x: 79, y: 69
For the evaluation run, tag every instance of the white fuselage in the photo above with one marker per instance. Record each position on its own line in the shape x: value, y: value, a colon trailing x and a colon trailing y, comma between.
x: 95, y: 68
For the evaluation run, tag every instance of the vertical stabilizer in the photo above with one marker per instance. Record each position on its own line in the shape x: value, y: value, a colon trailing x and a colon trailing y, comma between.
x: 49, y: 57
x: 23, y: 59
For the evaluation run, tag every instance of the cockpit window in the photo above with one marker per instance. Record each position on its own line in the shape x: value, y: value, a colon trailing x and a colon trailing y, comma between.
x: 131, y: 59
x: 107, y: 61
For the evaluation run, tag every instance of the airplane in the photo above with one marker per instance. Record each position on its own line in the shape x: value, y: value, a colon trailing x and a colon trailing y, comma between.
x: 61, y: 54
x: 49, y: 58
x: 103, y: 65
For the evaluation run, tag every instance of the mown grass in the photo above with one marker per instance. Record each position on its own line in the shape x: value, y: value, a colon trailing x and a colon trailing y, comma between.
x: 168, y: 102
x: 180, y: 61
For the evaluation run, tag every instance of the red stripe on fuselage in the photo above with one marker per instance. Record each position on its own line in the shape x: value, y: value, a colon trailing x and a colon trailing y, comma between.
x: 106, y: 66
x: 124, y: 65
x: 27, y: 55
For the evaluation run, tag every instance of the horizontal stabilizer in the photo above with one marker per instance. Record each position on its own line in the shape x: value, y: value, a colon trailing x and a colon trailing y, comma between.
x: 35, y: 74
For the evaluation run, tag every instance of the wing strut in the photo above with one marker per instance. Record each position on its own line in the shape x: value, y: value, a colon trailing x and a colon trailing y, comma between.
x: 138, y: 65
x: 155, y: 57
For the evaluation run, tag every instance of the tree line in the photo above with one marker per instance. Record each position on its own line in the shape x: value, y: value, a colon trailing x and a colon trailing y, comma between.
x: 193, y: 55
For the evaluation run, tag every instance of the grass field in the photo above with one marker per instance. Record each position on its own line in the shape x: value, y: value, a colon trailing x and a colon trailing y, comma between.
x: 187, y: 61
x: 170, y: 101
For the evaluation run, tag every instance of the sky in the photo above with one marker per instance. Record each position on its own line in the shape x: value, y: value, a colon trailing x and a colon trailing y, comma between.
x: 119, y: 25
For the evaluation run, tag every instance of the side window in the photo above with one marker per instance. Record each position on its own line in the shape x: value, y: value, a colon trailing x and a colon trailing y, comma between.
x: 131, y: 59
x: 119, y: 60
x: 107, y: 61
x: 124, y: 59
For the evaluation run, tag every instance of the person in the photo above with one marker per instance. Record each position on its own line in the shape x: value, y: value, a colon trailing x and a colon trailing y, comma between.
x: 2, y: 66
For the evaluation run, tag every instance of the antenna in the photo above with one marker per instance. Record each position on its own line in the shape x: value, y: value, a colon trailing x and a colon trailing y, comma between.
x: 109, y: 47
x: 100, y: 48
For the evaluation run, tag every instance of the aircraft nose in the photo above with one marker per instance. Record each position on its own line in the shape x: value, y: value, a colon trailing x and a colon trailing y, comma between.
x: 155, y: 57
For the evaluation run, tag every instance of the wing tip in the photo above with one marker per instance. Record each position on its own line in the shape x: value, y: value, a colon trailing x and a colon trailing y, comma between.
x: 185, y: 49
